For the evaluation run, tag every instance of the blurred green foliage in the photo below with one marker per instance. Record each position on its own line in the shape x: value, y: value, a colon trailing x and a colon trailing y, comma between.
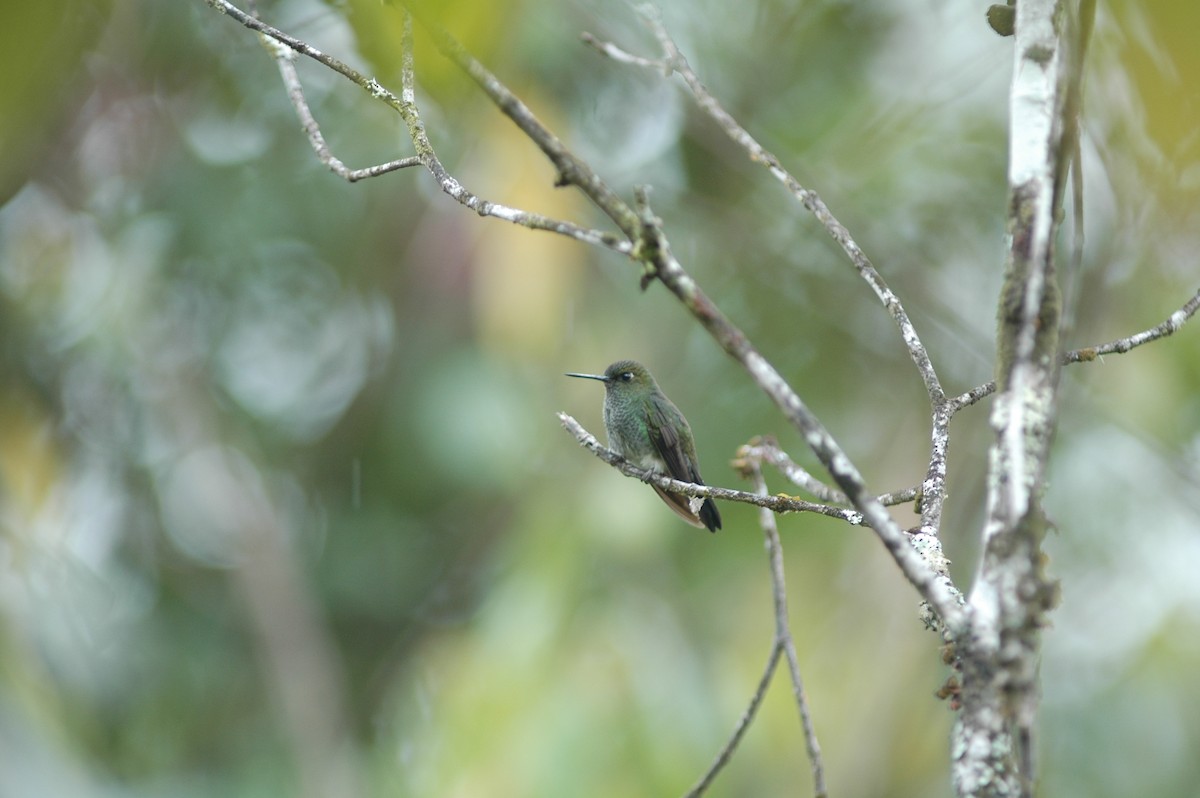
x: 273, y: 444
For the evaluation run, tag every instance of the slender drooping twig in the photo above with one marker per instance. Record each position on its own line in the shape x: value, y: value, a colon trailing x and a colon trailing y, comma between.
x: 781, y: 644
x: 783, y: 637
x: 739, y: 731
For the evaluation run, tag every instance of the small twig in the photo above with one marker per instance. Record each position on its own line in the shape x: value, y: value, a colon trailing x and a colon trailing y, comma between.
x: 1123, y: 345
x: 764, y: 449
x: 617, y: 54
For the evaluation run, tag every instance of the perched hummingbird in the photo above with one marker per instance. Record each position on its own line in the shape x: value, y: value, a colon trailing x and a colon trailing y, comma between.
x: 647, y: 429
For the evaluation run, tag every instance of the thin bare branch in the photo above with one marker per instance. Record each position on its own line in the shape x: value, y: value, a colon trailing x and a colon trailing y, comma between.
x: 425, y: 153
x: 739, y: 731
x: 285, y: 58
x: 571, y: 169
x: 1122, y: 345
x: 617, y: 54
x: 1087, y: 354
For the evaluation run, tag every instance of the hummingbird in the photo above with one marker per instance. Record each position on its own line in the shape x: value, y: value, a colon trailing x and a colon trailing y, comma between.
x: 647, y: 429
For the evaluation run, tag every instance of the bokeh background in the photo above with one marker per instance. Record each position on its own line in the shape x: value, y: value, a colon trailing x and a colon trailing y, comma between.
x: 284, y: 506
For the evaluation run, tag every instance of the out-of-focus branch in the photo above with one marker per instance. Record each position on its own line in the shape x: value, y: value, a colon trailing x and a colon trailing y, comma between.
x: 226, y: 495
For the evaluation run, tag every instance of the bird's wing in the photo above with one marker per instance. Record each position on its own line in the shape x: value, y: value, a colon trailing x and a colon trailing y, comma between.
x: 665, y: 427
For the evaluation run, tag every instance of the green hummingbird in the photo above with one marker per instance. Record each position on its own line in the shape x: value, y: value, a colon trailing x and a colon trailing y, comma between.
x: 647, y: 429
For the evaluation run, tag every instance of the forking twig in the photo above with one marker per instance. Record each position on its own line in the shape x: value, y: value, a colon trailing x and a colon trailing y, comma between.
x: 407, y: 108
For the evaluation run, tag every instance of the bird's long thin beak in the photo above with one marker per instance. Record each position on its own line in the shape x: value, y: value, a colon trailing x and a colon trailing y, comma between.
x: 600, y: 377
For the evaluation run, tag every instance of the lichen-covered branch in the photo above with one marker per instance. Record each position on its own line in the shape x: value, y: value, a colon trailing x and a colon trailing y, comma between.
x: 992, y: 748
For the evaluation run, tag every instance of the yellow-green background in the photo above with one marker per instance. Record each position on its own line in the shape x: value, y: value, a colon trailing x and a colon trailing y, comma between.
x: 185, y: 291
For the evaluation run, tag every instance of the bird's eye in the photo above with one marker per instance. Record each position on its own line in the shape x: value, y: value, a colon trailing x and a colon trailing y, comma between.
x: 626, y: 376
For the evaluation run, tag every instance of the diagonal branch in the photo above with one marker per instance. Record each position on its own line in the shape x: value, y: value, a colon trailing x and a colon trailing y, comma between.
x: 675, y: 61
x: 936, y: 589
x: 1122, y: 345
x: 739, y: 731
